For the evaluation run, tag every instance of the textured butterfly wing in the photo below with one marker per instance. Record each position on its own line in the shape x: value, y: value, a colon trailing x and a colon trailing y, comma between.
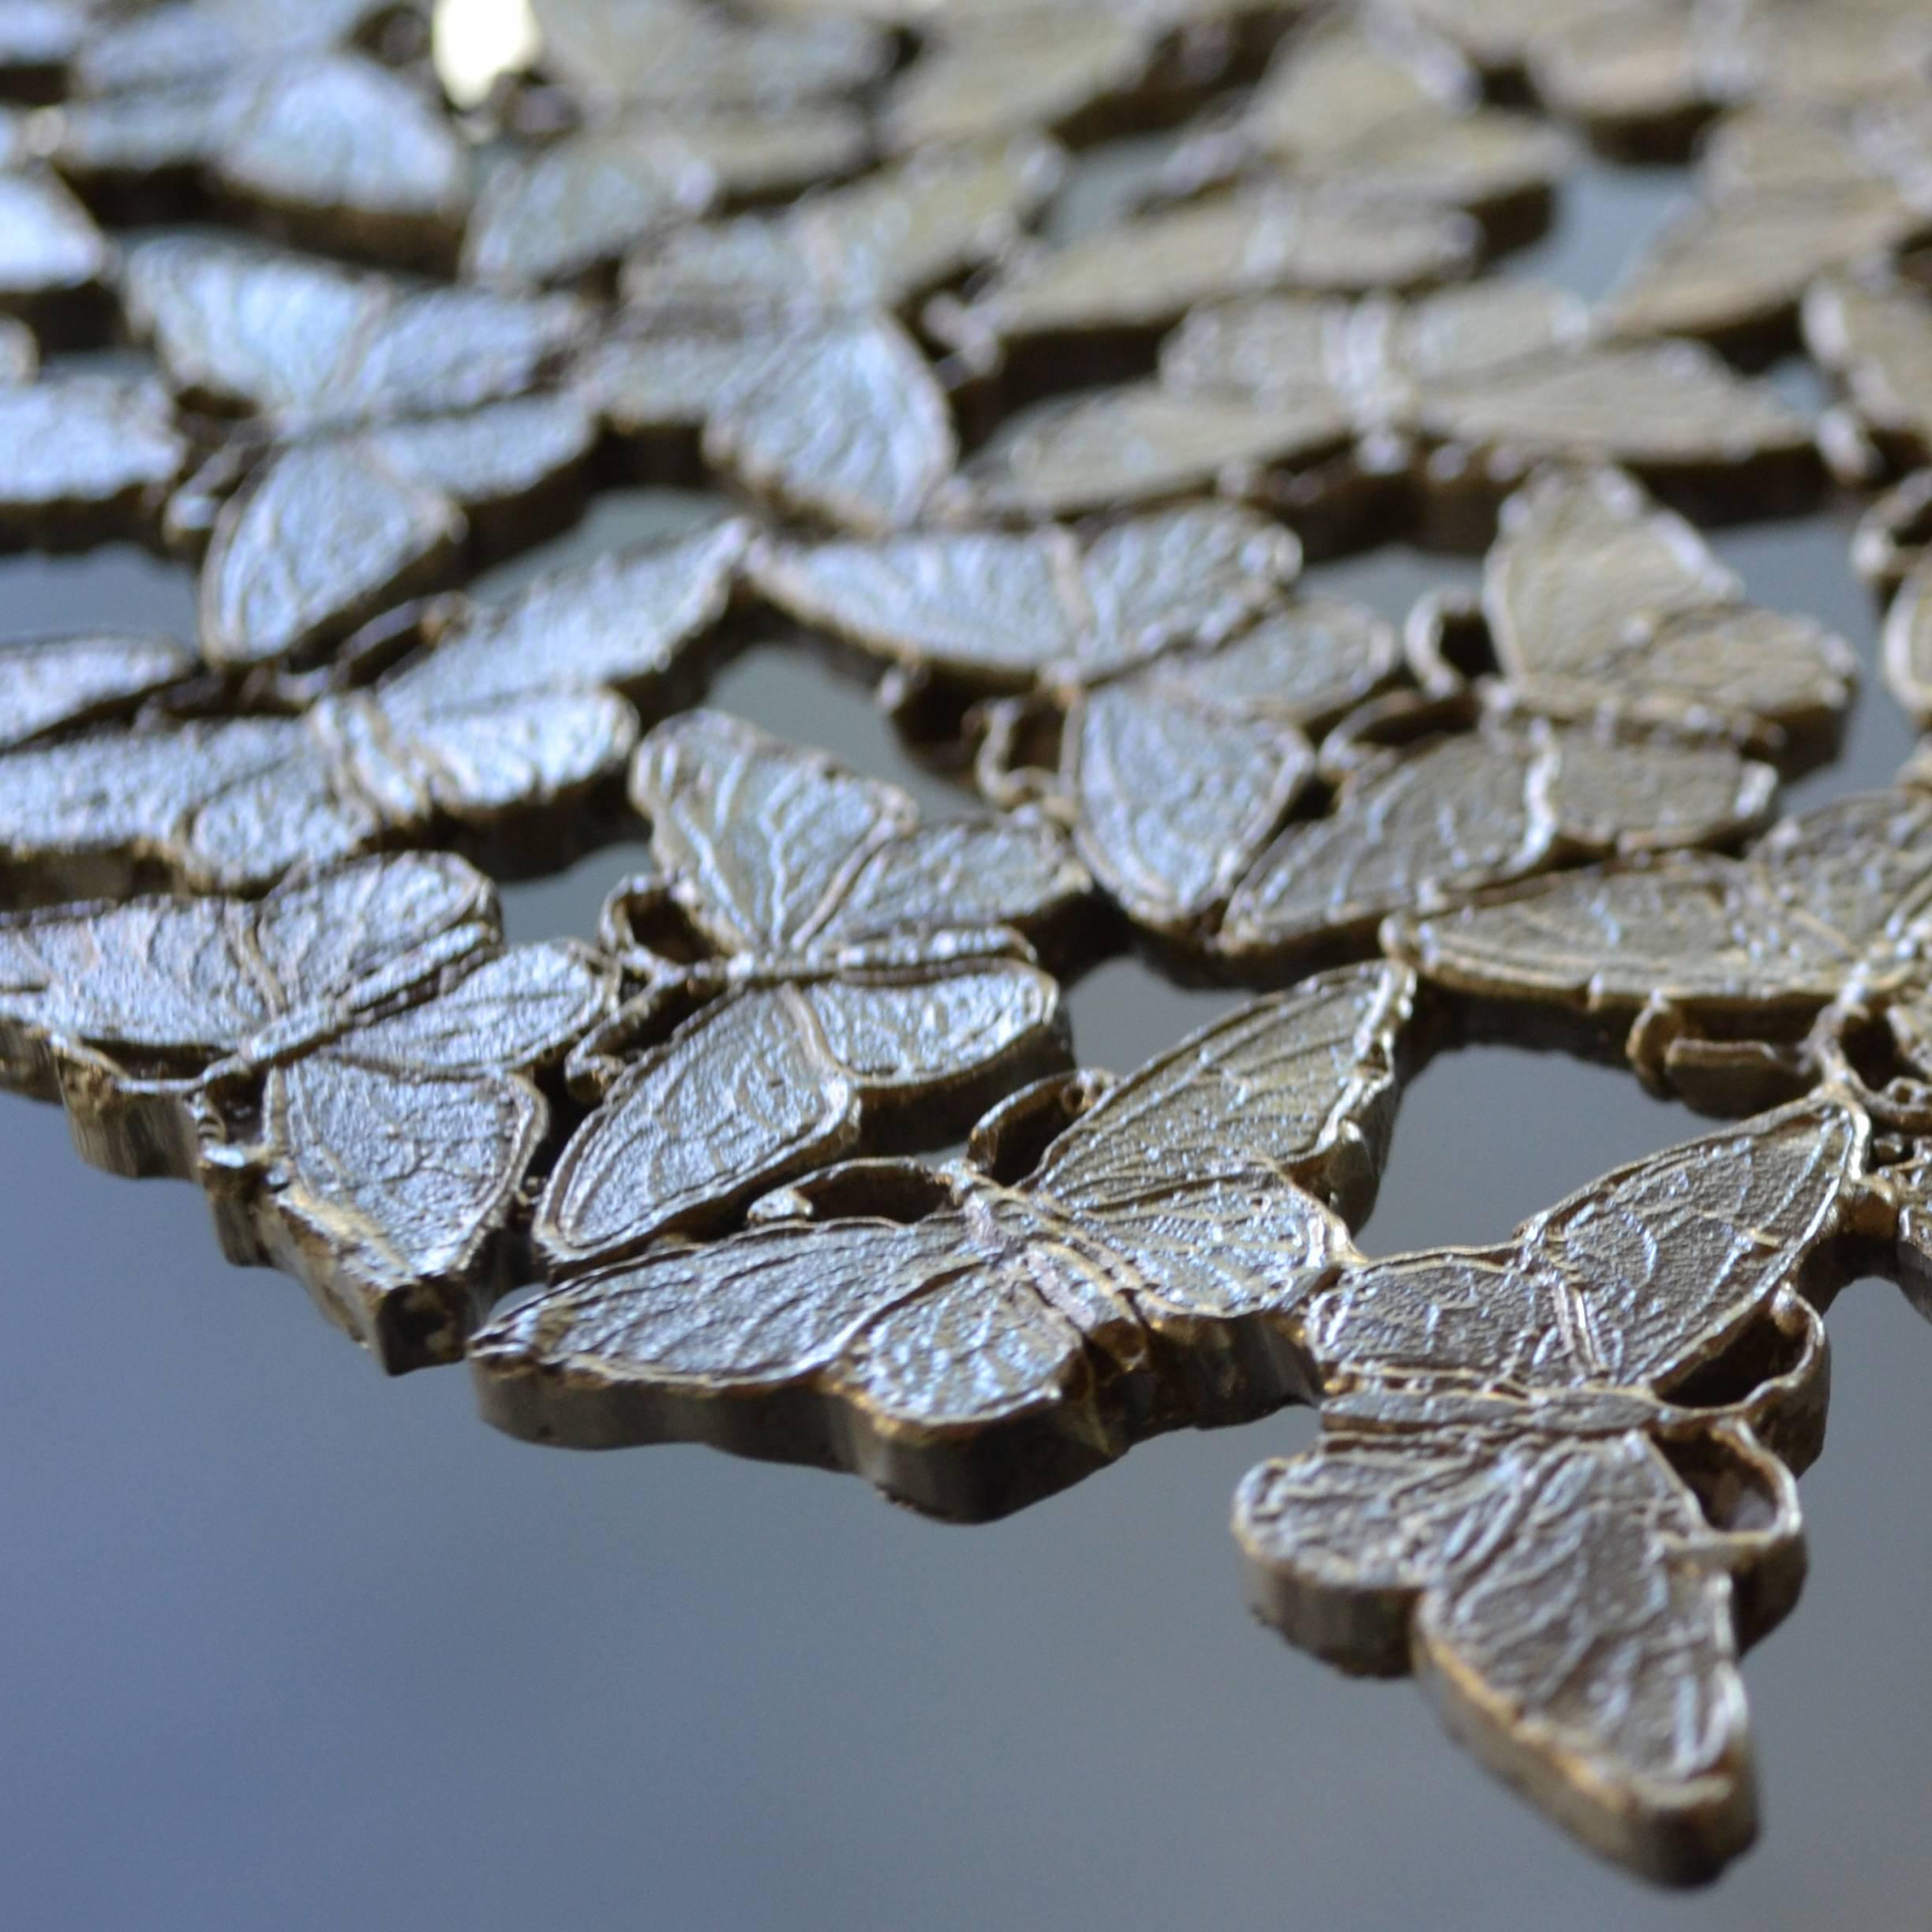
x: 763, y: 838
x: 1140, y: 444
x: 739, y: 1099
x: 1300, y: 1083
x: 1908, y: 645
x: 342, y: 151
x: 623, y: 621
x: 1148, y: 273
x: 392, y: 1190
x: 1218, y: 1183
x: 393, y: 1161
x: 1667, y: 412
x: 235, y: 325
x: 581, y: 201
x: 1196, y: 574
x: 169, y: 977
x: 768, y: 1083
x: 848, y: 425
x: 960, y: 875
x: 61, y: 683
x: 1875, y: 337
x: 85, y: 456
x: 520, y: 1010
x: 1701, y: 932
x: 1175, y: 794
x: 1740, y: 261
x: 1560, y: 1596
x: 1583, y: 568
x: 325, y: 537
x: 1455, y: 816
x: 990, y: 608
x: 1633, y: 1283
x: 988, y: 80
x: 376, y: 926
x: 894, y: 1350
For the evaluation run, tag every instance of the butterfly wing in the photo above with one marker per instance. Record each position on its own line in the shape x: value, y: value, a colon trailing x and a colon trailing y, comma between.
x: 849, y: 423
x: 323, y: 538
x: 938, y: 1042
x: 622, y: 622
x: 218, y: 807
x: 58, y: 683
x: 1562, y: 1597
x: 1908, y: 645
x: 1455, y: 815
x: 1700, y: 931
x: 1196, y: 574
x: 1210, y: 1180
x: 1739, y: 261
x: 519, y: 1011
x: 763, y: 839
x: 1596, y: 599
x: 1140, y: 443
x: 1778, y: 933
x: 894, y: 1350
x: 990, y: 609
x: 1875, y: 337
x: 765, y: 1084
x: 983, y: 80
x: 1581, y: 561
x: 1301, y: 1083
x: 959, y: 876
x: 1176, y: 794
x: 389, y: 1163
x: 1635, y: 1282
x: 379, y: 925
x: 391, y: 1191
x: 1667, y: 411
x: 171, y: 980
x: 740, y: 1098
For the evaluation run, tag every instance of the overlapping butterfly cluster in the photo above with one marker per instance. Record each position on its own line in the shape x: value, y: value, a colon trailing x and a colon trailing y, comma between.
x: 1048, y: 481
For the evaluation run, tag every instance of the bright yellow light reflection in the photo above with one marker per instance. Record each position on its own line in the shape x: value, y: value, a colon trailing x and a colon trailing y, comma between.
x: 473, y: 42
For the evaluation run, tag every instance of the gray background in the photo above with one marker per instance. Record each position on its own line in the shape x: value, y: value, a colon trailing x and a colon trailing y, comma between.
x: 282, y: 1644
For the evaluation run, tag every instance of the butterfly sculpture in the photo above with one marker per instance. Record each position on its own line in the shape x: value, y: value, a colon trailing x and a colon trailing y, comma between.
x: 300, y: 343
x: 953, y: 616
x: 818, y: 974
x: 1534, y: 1488
x: 328, y: 534
x: 1355, y: 99
x: 1597, y: 604
x: 387, y: 434
x: 1367, y: 416
x: 1785, y: 196
x: 883, y: 241
x: 973, y: 1335
x: 1199, y: 803
x: 1063, y: 310
x: 1712, y: 969
x: 680, y: 56
x: 505, y: 718
x: 345, y: 1064
x: 325, y: 146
